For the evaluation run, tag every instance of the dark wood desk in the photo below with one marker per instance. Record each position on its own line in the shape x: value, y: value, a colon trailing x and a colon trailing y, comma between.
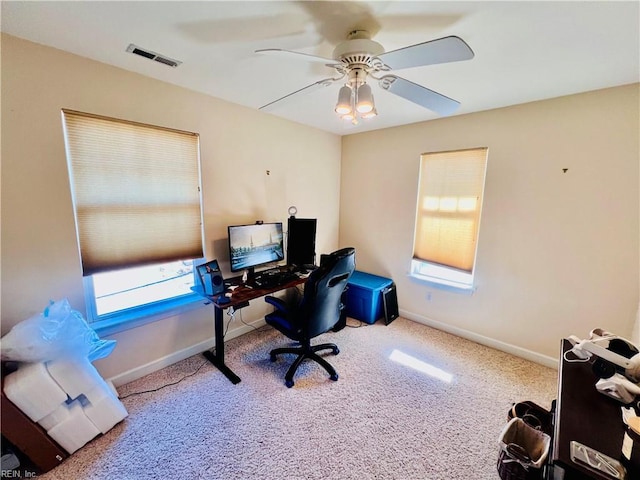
x: 583, y: 415
x: 241, y: 295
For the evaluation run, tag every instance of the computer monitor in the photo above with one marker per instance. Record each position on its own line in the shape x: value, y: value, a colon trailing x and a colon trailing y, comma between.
x: 301, y: 241
x: 254, y: 245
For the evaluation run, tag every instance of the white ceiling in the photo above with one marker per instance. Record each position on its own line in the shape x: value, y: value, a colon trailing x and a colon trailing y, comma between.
x: 524, y: 51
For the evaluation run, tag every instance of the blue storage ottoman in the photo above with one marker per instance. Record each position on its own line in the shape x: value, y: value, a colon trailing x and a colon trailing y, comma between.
x: 364, y: 296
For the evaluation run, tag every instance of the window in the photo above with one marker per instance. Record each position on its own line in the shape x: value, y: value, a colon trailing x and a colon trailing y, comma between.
x: 137, y: 204
x: 120, y: 290
x: 449, y: 203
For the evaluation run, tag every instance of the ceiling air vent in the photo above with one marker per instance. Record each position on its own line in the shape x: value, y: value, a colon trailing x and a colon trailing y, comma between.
x: 152, y: 55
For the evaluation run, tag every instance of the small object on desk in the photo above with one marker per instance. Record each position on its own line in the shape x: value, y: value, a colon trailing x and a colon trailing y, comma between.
x: 631, y: 442
x: 228, y: 294
x: 618, y: 388
x: 597, y: 461
x: 210, y: 277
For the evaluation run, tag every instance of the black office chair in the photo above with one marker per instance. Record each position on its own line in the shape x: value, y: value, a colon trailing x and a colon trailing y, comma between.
x: 316, y: 313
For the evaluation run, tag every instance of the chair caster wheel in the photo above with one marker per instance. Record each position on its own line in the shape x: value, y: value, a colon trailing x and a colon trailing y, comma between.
x: 272, y: 358
x: 334, y: 377
x: 336, y: 351
x: 289, y: 383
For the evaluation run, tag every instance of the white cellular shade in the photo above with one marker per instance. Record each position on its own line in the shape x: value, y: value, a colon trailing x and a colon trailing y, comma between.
x: 136, y: 192
x: 449, y: 204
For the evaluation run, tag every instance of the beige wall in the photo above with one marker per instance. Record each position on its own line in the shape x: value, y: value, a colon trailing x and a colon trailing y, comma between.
x: 558, y: 252
x: 238, y: 145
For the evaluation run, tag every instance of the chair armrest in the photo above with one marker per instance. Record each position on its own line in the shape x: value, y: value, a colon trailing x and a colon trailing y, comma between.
x: 278, y: 303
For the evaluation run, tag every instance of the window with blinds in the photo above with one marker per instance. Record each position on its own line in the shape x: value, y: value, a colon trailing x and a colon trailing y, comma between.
x: 137, y: 203
x: 448, y: 211
x: 136, y: 192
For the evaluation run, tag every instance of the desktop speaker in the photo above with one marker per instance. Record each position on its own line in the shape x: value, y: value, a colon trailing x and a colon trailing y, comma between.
x: 217, y: 283
x: 211, y: 278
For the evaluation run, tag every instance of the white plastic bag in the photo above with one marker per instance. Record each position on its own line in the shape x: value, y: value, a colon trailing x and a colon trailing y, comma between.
x: 57, y: 332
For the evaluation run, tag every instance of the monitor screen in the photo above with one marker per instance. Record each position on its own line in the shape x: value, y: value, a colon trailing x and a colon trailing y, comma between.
x: 254, y: 245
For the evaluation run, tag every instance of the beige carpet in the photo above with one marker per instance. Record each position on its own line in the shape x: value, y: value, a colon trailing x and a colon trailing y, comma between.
x: 380, y: 420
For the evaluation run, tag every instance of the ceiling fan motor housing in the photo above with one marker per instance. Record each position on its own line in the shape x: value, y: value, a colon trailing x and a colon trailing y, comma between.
x: 359, y: 51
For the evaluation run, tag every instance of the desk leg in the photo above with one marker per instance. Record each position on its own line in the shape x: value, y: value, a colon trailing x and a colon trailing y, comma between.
x: 217, y: 358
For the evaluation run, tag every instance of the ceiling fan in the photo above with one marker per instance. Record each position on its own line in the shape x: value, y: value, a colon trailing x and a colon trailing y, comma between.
x: 359, y: 58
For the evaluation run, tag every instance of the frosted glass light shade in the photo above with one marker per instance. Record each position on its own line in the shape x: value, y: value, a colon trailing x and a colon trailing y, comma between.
x: 365, y: 99
x: 370, y: 114
x: 344, y: 101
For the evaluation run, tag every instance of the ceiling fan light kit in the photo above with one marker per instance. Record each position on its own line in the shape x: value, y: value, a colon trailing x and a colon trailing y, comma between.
x: 359, y: 58
x: 355, y: 99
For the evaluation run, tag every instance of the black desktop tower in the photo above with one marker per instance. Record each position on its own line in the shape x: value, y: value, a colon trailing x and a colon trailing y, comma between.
x: 390, y: 303
x: 301, y: 241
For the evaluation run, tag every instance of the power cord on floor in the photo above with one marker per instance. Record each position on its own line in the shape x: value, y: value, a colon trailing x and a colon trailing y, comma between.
x: 165, y: 385
x: 257, y: 329
x: 361, y: 324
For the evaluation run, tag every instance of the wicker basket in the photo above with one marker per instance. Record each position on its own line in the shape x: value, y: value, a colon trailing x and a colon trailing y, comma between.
x: 515, y: 464
x: 523, y: 451
x: 533, y: 414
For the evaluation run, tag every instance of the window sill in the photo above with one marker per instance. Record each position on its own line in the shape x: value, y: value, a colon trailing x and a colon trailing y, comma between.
x: 443, y: 284
x: 138, y: 317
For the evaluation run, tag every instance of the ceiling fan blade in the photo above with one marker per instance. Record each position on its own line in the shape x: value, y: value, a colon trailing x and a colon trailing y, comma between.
x: 308, y: 89
x: 290, y: 53
x: 442, y: 50
x: 419, y: 95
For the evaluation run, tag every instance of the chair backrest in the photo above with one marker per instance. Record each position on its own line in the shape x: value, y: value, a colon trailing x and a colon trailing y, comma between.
x: 321, y: 304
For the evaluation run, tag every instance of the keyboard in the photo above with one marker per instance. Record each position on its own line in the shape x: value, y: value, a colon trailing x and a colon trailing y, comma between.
x: 273, y: 278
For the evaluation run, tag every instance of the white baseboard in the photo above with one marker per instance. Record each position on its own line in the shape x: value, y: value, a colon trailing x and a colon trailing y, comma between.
x: 489, y: 342
x: 139, y: 372
x: 174, y: 357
